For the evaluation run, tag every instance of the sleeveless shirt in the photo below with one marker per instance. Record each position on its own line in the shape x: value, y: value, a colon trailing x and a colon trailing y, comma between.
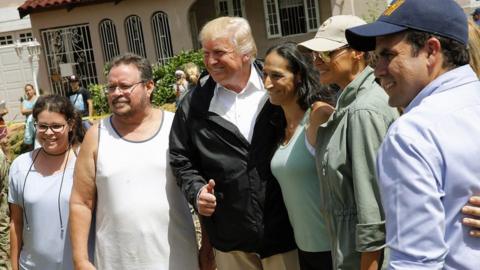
x: 44, y: 244
x: 294, y: 168
x: 142, y: 219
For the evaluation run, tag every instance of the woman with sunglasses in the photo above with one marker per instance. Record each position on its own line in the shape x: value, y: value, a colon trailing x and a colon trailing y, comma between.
x: 292, y: 83
x: 39, y: 189
x: 346, y: 147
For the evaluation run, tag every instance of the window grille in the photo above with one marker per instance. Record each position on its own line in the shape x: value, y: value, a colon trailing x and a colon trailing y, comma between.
x: 70, y: 46
x: 230, y: 8
x: 108, y: 37
x: 237, y: 8
x: 135, y: 41
x: 25, y: 37
x: 223, y: 8
x: 272, y: 18
x: 290, y: 17
x: 6, y: 40
x: 162, y: 37
x: 312, y: 15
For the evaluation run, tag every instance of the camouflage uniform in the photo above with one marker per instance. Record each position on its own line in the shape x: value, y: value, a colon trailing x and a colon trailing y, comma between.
x: 4, y: 215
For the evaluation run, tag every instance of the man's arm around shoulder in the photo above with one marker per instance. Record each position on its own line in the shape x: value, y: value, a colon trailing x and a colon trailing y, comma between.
x: 83, y: 199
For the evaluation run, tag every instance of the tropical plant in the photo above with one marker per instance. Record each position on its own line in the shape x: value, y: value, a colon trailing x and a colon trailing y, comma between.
x: 100, y: 104
x: 164, y: 75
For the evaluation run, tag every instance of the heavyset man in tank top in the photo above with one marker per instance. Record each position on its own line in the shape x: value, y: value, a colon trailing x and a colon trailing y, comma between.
x: 142, y: 220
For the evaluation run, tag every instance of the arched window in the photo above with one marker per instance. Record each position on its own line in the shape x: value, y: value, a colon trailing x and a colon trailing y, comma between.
x: 135, y: 41
x: 108, y: 36
x: 161, y: 34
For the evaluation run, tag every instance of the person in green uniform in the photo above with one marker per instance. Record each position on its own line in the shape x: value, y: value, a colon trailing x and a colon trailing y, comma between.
x: 346, y: 148
x: 4, y: 215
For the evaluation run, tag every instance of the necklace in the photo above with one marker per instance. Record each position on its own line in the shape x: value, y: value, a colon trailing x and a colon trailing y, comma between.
x: 55, y: 155
x: 62, y: 230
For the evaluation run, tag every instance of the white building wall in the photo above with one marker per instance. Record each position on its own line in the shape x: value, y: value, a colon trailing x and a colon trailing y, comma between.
x: 14, y: 72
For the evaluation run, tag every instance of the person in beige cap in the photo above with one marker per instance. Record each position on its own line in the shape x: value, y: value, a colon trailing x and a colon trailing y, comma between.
x: 346, y: 146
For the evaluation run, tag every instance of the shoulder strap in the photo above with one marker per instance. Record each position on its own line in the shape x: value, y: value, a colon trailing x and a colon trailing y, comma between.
x: 98, y: 133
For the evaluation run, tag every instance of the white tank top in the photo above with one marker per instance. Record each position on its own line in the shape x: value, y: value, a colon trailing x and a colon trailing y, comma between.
x: 142, y: 219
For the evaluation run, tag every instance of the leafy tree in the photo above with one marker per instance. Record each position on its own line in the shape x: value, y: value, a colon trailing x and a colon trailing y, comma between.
x: 99, y: 99
x: 164, y: 75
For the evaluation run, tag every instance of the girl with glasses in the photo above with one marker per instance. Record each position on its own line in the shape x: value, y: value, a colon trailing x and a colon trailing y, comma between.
x: 40, y: 185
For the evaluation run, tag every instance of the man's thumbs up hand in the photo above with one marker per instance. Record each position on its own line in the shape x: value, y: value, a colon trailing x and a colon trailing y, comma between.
x: 207, y: 201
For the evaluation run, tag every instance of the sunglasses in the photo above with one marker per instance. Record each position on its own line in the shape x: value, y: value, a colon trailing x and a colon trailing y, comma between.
x: 327, y: 57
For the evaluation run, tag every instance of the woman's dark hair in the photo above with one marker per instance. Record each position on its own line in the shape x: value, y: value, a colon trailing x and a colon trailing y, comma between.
x: 28, y: 84
x: 309, y: 89
x: 63, y: 106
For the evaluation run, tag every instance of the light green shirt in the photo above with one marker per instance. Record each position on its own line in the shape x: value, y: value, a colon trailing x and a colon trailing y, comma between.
x: 346, y: 150
x: 294, y: 168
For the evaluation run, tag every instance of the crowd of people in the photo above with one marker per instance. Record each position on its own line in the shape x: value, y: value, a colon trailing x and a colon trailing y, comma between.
x: 355, y: 149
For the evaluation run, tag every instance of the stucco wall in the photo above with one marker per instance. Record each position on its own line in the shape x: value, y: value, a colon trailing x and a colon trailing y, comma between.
x: 178, y: 15
x: 93, y: 14
x: 256, y: 16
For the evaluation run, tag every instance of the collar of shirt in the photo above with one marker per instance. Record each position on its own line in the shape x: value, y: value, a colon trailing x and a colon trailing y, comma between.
x: 447, y: 81
x: 349, y: 94
x: 254, y: 84
x: 241, y: 108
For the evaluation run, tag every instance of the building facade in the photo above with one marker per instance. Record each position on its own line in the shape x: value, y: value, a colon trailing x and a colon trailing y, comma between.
x: 14, y: 72
x: 80, y: 36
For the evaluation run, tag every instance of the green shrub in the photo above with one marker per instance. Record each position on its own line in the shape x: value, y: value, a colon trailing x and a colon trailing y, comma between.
x: 100, y: 104
x: 164, y: 75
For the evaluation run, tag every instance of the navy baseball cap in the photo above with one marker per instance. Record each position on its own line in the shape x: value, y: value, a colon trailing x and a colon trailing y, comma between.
x: 440, y: 17
x: 476, y: 11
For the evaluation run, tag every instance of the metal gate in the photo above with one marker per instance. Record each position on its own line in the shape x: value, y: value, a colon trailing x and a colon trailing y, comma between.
x: 69, y: 50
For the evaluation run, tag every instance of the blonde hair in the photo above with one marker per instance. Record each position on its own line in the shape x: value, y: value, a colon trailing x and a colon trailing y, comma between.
x: 474, y: 46
x: 236, y: 29
x: 192, y: 72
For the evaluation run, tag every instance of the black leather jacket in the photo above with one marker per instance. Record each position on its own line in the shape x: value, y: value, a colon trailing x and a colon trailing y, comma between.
x: 250, y: 215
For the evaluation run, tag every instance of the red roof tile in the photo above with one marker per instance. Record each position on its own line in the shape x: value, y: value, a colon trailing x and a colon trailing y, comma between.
x: 31, y: 6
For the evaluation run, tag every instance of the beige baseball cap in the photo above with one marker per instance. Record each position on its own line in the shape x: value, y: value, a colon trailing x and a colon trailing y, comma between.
x: 331, y: 34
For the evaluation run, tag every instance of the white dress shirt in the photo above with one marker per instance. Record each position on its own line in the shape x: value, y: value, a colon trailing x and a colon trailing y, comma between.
x: 241, y: 109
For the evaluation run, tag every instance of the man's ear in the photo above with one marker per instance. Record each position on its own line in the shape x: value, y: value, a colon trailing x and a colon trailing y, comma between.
x: 433, y: 48
x: 246, y: 58
x: 150, y: 86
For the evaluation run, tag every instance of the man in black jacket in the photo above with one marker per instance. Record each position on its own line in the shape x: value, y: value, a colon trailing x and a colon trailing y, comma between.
x: 225, y: 132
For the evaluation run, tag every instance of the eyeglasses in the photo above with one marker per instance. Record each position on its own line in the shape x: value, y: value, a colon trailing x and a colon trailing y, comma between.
x: 327, y: 57
x: 124, y: 88
x: 55, y: 128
